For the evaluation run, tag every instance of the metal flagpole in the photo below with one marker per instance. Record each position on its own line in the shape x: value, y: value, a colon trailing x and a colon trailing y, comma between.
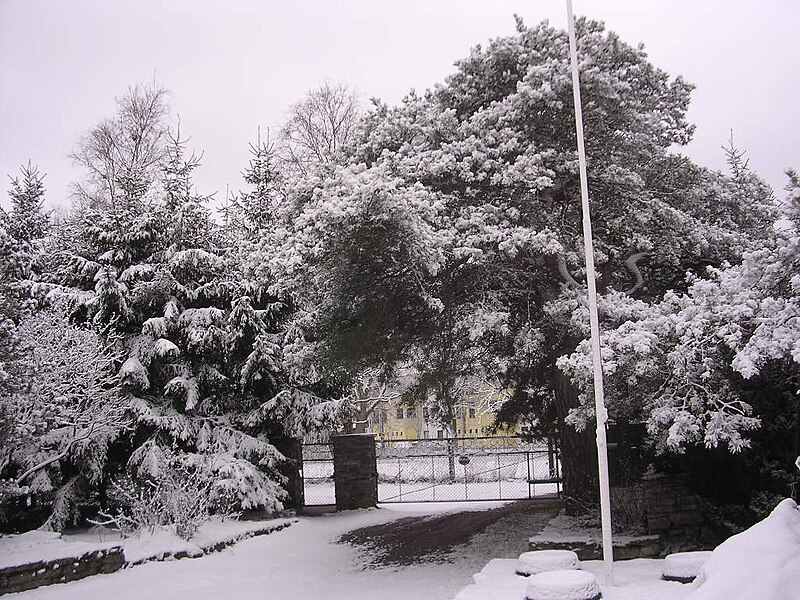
x: 599, y: 402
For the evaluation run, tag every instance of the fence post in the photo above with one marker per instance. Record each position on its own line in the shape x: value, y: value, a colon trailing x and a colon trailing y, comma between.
x: 355, y: 471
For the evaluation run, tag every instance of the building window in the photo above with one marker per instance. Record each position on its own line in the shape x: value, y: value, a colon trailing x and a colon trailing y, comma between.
x: 425, y: 412
x: 426, y: 434
x: 400, y: 413
x: 411, y: 412
x: 471, y: 413
x: 440, y: 434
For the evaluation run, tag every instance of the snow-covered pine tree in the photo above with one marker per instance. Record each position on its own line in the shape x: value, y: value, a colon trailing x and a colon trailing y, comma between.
x: 454, y: 231
x: 22, y: 230
x: 716, y: 365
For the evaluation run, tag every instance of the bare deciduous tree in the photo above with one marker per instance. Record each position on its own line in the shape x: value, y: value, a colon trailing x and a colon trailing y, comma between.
x: 121, y: 154
x: 319, y: 126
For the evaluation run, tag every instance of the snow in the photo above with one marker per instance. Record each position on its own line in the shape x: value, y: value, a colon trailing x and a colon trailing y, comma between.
x: 539, y: 561
x: 638, y: 579
x: 684, y: 565
x: 37, y: 545
x: 305, y: 561
x: 300, y: 562
x: 322, y: 492
x: 566, y: 530
x: 762, y: 562
x: 562, y: 585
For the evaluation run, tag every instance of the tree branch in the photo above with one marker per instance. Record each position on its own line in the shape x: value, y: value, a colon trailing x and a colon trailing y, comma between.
x: 632, y: 264
x: 564, y: 271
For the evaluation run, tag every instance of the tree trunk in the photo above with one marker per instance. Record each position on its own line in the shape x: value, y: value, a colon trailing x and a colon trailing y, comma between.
x: 578, y: 449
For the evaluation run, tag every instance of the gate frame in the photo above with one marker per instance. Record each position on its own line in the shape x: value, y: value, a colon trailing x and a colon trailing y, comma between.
x: 554, y: 463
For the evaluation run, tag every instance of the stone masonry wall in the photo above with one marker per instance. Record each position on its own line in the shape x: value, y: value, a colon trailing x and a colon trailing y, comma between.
x: 674, y: 513
x: 27, y: 577
x: 355, y: 471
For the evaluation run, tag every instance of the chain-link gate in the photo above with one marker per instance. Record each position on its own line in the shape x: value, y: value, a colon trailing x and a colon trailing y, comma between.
x: 444, y: 470
x: 458, y: 469
x: 318, y: 487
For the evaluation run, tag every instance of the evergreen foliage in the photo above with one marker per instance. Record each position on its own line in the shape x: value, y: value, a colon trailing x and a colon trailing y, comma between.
x: 451, y: 239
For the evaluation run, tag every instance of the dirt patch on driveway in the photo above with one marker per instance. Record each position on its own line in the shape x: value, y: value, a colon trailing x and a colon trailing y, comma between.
x: 435, y: 538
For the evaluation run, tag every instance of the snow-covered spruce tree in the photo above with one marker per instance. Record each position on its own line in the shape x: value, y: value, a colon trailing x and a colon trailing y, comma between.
x: 22, y: 230
x: 453, y: 234
x: 27, y: 221
x: 207, y: 359
x: 11, y: 311
x: 710, y: 365
x: 253, y: 210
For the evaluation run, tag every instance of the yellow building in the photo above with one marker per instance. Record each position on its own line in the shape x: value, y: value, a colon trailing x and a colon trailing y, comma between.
x: 399, y: 421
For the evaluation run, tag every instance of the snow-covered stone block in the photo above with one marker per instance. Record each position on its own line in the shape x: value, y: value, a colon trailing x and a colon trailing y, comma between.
x: 563, y: 585
x: 762, y: 562
x: 540, y: 561
x: 684, y: 566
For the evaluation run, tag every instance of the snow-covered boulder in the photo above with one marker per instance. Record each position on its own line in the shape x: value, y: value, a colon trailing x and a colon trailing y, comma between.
x: 684, y: 566
x: 539, y: 561
x: 563, y: 585
x: 762, y: 562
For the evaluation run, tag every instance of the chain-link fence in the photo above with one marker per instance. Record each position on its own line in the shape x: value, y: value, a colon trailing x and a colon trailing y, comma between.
x: 318, y: 488
x: 457, y: 469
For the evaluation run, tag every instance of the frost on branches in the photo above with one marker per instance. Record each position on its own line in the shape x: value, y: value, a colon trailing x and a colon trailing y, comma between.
x: 205, y: 353
x: 65, y: 411
x: 448, y: 238
x: 679, y: 363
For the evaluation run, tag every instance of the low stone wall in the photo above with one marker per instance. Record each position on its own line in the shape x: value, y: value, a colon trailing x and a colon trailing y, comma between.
x: 673, y: 512
x: 27, y: 577
x: 216, y: 546
x: 648, y: 546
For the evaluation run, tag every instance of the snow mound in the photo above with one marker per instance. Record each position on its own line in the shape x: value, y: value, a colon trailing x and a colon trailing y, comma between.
x: 563, y: 585
x: 684, y: 566
x: 539, y: 561
x: 762, y: 562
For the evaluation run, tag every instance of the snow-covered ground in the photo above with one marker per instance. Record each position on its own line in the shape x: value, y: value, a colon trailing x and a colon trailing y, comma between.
x: 638, y: 579
x: 35, y: 545
x: 305, y: 561
x: 300, y: 562
x: 762, y: 563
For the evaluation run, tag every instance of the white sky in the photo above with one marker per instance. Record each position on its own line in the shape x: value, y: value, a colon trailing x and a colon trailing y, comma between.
x: 238, y: 64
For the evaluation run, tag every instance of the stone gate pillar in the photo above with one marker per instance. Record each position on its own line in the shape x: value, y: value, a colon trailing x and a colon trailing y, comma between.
x: 355, y: 471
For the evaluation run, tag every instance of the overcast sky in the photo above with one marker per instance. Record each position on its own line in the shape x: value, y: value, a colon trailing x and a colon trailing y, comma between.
x: 234, y: 65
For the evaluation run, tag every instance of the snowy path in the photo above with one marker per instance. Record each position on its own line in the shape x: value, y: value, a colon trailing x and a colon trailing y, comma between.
x: 298, y: 563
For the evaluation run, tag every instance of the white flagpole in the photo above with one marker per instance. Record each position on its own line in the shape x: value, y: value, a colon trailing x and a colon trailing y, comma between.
x: 599, y: 401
